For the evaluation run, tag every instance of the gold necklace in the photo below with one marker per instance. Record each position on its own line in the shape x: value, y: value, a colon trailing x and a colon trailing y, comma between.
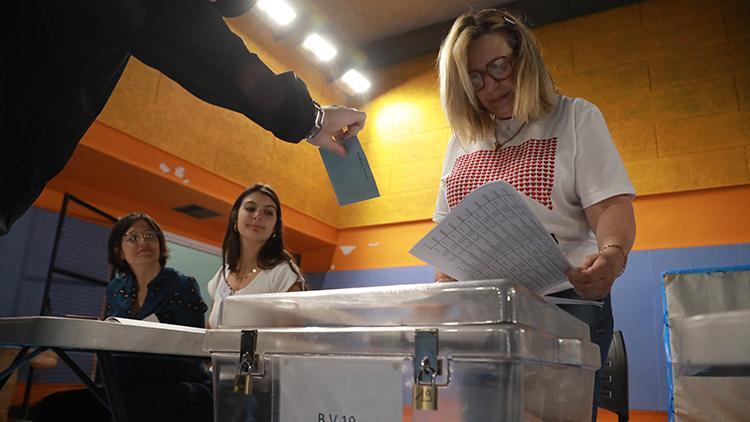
x: 499, y: 145
x: 240, y: 278
x: 246, y: 274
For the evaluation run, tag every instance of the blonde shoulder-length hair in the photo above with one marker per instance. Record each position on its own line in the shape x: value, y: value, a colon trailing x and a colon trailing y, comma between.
x: 535, y: 92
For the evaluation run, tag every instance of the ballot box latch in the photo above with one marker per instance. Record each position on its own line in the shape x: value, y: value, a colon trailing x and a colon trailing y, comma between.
x: 425, y: 393
x: 243, y: 381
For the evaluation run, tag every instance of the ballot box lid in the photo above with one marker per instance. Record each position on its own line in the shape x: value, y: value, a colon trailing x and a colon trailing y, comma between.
x: 469, y: 303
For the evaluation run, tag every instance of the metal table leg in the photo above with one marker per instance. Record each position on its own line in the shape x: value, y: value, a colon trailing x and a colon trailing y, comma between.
x: 21, y: 359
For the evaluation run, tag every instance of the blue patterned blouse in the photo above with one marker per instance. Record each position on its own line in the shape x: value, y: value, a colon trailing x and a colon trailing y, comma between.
x: 174, y: 298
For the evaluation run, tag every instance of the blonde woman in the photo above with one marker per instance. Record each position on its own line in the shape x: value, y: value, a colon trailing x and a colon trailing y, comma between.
x: 510, y: 123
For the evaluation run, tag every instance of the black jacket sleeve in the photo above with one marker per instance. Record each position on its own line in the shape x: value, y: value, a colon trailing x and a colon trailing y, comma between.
x: 233, y: 8
x: 188, y: 41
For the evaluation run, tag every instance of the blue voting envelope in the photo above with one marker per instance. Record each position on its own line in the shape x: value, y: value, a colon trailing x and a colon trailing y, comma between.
x: 350, y: 175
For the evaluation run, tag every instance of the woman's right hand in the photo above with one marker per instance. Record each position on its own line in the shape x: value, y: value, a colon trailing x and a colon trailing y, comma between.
x: 441, y: 277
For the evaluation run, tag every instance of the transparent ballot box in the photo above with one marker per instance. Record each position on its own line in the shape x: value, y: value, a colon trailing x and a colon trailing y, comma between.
x: 467, y: 351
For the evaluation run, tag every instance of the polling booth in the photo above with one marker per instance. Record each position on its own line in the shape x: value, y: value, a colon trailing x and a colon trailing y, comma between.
x: 707, y: 338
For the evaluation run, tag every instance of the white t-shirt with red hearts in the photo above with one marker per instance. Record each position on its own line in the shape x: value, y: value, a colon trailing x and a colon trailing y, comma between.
x: 561, y: 164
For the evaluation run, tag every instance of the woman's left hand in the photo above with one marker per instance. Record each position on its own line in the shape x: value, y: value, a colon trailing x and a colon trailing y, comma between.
x: 613, y: 222
x: 594, y: 278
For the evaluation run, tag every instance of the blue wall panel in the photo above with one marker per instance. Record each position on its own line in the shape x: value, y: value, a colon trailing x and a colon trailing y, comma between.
x: 633, y: 306
x: 709, y: 256
x: 25, y: 254
x: 744, y: 253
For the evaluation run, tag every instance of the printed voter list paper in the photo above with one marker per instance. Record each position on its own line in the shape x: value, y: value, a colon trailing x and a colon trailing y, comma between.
x: 350, y: 175
x: 494, y: 234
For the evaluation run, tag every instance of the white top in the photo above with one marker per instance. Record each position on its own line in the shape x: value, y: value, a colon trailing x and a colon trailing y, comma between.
x: 562, y: 163
x: 276, y: 280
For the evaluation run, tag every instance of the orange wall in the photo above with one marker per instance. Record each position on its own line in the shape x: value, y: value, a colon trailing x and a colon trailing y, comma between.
x: 672, y: 78
x: 699, y: 218
x: 678, y: 220
x: 119, y: 173
x: 379, y: 246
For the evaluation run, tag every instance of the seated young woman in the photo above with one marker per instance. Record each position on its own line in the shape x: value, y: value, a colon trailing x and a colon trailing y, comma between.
x: 253, y: 256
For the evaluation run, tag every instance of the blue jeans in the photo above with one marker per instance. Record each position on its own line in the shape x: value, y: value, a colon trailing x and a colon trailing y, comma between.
x: 601, y: 326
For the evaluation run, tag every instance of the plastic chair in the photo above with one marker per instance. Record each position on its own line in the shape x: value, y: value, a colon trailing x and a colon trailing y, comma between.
x: 613, y: 395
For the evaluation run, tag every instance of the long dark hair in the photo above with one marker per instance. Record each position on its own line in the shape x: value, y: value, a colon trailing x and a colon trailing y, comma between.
x: 272, y: 253
x: 118, y: 231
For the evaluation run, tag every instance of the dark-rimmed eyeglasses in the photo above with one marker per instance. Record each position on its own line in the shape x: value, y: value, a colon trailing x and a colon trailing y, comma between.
x: 498, y: 69
x: 147, y: 236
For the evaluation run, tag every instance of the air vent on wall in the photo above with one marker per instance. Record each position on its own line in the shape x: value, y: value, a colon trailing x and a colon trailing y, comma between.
x: 197, y: 211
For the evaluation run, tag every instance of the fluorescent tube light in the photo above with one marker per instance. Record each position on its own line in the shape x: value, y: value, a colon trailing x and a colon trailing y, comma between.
x: 278, y: 10
x: 355, y: 81
x: 318, y: 45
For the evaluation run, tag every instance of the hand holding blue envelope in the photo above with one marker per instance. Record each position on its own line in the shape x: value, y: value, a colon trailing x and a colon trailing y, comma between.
x: 350, y: 175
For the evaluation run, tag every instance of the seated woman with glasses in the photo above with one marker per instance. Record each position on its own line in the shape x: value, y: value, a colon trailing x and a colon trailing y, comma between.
x: 145, y: 288
x: 510, y: 123
x: 253, y: 256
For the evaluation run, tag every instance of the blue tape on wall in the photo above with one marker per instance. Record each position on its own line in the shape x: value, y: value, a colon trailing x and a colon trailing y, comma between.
x: 668, y: 348
x: 725, y: 269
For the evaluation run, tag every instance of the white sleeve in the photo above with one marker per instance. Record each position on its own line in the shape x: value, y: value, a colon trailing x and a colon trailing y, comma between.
x: 441, y: 207
x: 283, y: 277
x: 213, y: 283
x: 599, y: 171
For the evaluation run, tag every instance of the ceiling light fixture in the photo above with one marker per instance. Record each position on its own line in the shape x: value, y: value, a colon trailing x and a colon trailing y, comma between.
x: 278, y: 10
x: 319, y: 46
x: 355, y: 81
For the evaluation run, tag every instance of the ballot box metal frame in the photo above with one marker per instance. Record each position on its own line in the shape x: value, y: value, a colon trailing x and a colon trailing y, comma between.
x: 351, y: 324
x: 34, y: 335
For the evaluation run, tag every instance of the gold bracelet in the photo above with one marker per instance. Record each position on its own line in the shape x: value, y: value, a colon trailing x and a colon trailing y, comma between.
x: 622, y: 251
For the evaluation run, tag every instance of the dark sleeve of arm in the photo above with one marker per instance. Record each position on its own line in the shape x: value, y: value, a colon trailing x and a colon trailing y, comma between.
x: 189, y: 42
x: 192, y: 311
x: 107, y: 310
x: 109, y: 305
